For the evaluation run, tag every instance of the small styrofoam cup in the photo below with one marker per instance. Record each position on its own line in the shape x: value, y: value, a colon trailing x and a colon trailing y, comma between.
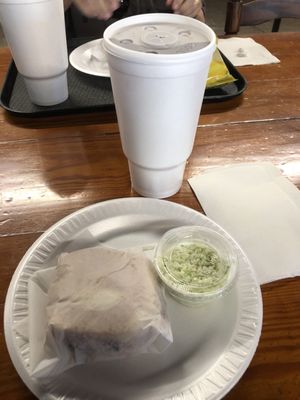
x: 35, y: 32
x: 158, y: 98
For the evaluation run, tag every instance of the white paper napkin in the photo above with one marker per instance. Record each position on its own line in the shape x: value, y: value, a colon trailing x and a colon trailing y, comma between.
x: 245, y: 51
x: 260, y: 209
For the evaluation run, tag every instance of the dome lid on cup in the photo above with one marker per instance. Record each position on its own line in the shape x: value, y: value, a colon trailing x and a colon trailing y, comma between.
x: 158, y: 34
x: 160, y: 38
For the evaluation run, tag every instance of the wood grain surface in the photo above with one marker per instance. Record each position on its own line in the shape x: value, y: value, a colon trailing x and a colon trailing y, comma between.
x: 50, y: 167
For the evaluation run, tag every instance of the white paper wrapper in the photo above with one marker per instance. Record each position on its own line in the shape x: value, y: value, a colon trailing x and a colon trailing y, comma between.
x: 260, y: 209
x: 67, y: 328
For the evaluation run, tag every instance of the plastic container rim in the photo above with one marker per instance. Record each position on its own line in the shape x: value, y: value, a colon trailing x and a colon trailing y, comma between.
x: 178, y: 288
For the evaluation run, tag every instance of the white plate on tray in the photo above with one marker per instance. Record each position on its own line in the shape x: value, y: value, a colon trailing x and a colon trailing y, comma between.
x: 213, y: 345
x: 90, y: 59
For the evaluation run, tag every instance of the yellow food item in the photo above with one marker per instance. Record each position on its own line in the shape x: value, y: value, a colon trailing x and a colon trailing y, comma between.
x: 218, y: 72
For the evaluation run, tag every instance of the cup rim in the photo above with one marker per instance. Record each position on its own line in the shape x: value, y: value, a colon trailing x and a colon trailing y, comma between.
x: 134, y: 55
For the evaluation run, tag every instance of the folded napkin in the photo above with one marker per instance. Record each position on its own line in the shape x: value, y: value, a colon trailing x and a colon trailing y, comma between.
x: 245, y: 51
x: 260, y: 209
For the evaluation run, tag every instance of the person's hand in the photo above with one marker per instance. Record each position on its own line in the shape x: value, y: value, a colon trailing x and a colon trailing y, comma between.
x: 101, y: 9
x: 189, y: 8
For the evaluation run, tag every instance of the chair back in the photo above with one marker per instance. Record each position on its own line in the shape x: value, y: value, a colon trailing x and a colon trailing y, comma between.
x: 254, y: 12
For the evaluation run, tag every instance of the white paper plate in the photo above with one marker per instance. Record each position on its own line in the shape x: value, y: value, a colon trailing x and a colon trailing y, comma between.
x: 90, y: 59
x: 213, y: 345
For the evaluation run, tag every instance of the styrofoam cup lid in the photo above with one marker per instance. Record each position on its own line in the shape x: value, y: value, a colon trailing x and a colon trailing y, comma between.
x: 163, y: 34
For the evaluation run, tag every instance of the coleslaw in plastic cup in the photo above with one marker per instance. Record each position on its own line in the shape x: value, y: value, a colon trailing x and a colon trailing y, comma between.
x: 196, y: 264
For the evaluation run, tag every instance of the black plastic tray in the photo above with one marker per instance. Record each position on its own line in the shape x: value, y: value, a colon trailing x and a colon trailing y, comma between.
x: 89, y: 93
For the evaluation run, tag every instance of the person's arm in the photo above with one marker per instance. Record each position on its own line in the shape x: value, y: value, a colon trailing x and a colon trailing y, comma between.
x: 189, y: 8
x: 101, y: 9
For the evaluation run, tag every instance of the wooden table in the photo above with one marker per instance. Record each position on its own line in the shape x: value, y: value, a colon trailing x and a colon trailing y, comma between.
x: 50, y: 167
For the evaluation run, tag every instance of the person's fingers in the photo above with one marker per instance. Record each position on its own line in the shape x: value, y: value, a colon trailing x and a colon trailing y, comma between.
x: 189, y: 8
x: 110, y: 7
x: 176, y: 4
x: 201, y: 15
x: 102, y: 9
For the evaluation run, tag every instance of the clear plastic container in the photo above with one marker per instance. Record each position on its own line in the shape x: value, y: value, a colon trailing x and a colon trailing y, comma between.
x: 197, y: 264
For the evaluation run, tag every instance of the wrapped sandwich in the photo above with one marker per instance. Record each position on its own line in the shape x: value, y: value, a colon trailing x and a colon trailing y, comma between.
x: 106, y: 304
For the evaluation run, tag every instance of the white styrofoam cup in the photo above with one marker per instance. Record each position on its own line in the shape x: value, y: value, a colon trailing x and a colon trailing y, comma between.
x: 35, y: 32
x: 158, y: 98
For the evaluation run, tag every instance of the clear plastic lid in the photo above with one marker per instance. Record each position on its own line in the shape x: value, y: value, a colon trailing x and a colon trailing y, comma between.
x: 196, y: 263
x: 160, y: 38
